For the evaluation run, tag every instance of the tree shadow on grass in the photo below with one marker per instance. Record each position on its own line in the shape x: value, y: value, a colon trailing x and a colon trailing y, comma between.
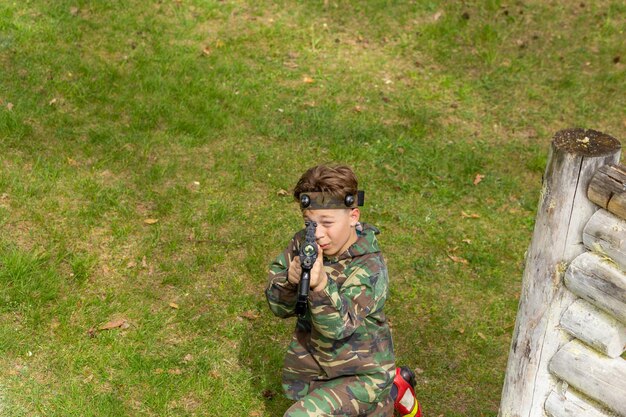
x: 262, y: 350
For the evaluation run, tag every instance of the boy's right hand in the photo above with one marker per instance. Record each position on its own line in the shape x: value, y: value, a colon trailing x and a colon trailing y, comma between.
x: 294, y: 272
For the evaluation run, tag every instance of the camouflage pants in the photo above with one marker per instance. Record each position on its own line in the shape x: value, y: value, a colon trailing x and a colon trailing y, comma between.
x: 335, y: 398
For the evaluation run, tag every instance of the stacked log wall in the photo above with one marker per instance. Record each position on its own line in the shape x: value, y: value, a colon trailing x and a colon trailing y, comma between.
x: 565, y: 357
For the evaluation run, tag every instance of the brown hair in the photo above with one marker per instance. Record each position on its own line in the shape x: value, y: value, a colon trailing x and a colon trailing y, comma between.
x: 336, y: 180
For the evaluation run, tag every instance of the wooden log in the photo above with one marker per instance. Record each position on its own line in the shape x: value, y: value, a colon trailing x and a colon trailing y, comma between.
x: 596, y: 328
x: 608, y: 189
x: 571, y: 404
x: 599, y: 281
x: 606, y: 234
x: 564, y: 209
x: 600, y: 378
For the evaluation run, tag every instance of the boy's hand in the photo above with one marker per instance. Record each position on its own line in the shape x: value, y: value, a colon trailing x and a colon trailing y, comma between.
x: 294, y: 272
x: 318, y: 275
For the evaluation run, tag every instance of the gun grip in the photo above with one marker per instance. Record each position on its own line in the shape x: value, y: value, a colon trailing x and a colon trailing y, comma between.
x: 303, y: 292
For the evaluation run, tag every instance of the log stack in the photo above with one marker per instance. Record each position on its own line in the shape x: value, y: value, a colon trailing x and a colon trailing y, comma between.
x: 591, y: 367
x: 567, y: 353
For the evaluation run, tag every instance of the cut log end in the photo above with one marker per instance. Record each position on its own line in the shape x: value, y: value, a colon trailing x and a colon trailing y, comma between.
x: 585, y: 142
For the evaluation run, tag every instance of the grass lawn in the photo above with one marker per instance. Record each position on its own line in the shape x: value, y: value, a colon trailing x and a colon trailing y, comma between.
x: 146, y: 147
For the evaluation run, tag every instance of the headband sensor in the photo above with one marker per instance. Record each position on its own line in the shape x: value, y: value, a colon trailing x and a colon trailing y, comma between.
x: 316, y: 200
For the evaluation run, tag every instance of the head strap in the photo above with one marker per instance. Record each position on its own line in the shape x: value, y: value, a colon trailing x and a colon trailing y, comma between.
x: 315, y: 200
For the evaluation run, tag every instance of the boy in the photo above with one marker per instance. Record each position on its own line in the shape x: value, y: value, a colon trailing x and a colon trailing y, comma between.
x: 340, y: 360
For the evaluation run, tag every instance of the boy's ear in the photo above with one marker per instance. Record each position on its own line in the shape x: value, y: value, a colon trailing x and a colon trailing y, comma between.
x: 355, y: 215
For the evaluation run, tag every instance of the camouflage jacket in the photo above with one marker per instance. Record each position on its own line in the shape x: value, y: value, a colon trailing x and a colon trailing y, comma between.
x: 345, y: 332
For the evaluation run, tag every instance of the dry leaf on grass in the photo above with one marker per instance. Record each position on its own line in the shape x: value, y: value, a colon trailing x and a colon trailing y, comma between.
x: 458, y: 259
x: 151, y: 221
x: 469, y: 216
x: 174, y: 306
x: 478, y: 178
x: 308, y: 80
x: 250, y: 315
x: 114, y: 324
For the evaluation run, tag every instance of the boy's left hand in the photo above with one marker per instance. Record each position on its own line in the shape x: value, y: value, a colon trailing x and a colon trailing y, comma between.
x: 319, y: 279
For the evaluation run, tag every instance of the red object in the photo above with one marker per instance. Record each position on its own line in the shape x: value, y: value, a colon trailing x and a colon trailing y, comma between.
x: 406, y: 403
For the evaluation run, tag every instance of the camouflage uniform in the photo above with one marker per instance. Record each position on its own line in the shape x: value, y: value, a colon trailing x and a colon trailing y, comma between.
x: 340, y: 360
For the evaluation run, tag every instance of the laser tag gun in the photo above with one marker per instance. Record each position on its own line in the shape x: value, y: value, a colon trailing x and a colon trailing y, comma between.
x: 308, y: 256
x: 403, y: 393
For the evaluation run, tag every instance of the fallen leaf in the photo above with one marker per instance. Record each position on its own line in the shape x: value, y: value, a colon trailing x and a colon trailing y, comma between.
x: 188, y: 358
x: 308, y: 80
x: 437, y: 15
x: 389, y: 168
x: 458, y: 259
x: 144, y: 263
x: 10, y: 106
x: 358, y: 109
x: 461, y: 330
x: 250, y: 315
x: 282, y: 193
x: 482, y: 336
x: 52, y: 102
x: 174, y: 306
x: 74, y: 11
x: 478, y: 178
x: 151, y: 221
x: 468, y: 241
x: 112, y: 324
x: 131, y: 264
x: 206, y: 51
x: 469, y: 216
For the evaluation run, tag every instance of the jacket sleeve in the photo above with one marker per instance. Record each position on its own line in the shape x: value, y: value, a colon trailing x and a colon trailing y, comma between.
x: 280, y: 293
x: 336, y: 313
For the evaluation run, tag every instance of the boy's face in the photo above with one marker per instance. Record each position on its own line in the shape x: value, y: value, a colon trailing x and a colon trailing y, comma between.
x: 335, y: 231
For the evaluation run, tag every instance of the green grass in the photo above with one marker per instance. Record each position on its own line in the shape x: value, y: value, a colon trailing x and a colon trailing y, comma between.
x: 197, y: 113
